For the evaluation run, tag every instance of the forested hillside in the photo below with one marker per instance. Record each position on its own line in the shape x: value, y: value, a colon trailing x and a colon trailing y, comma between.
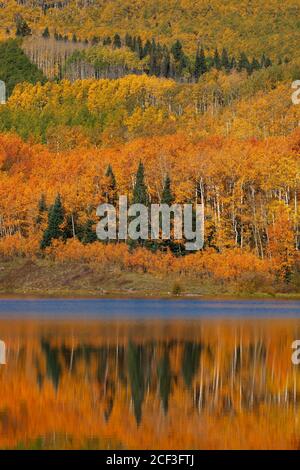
x: 251, y: 25
x: 191, y: 100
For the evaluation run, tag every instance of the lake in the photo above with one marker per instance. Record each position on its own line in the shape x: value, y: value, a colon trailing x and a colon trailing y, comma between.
x: 149, y: 374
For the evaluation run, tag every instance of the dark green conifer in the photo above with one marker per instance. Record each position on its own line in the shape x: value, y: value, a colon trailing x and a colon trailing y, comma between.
x: 46, y: 33
x: 200, y: 64
x: 55, y: 220
x: 167, y: 196
x: 225, y: 62
x: 140, y: 193
x: 117, y: 44
x: 217, y: 61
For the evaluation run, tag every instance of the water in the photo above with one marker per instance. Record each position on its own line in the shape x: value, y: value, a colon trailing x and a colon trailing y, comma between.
x: 149, y: 374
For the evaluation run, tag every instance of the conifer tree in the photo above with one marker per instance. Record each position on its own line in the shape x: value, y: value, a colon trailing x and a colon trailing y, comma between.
x: 176, y: 50
x: 147, y: 48
x: 107, y: 41
x: 128, y: 41
x: 167, y: 196
x: 46, y: 33
x: 139, y: 47
x: 22, y: 28
x: 88, y: 232
x: 165, y: 63
x: 110, y: 185
x: 140, y: 193
x: 255, y: 65
x: 55, y: 220
x: 243, y: 63
x: 200, y: 64
x: 225, y: 60
x: 117, y: 44
x: 217, y: 61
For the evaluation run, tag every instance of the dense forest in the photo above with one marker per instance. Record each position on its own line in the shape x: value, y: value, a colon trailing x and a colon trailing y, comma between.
x: 97, y: 109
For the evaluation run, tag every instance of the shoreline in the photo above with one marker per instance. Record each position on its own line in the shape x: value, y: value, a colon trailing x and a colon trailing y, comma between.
x: 119, y: 295
x: 23, y: 278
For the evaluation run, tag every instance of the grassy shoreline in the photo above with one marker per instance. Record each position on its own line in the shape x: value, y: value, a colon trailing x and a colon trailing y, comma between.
x: 23, y: 278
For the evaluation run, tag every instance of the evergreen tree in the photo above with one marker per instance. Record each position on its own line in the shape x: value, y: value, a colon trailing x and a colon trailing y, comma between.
x: 147, y: 48
x: 74, y: 38
x: 177, y: 51
x: 117, y: 44
x: 110, y: 186
x: 22, y: 28
x: 225, y: 60
x: 255, y: 65
x: 165, y: 63
x: 15, y: 67
x: 88, y: 232
x: 128, y: 41
x: 138, y: 47
x: 268, y: 62
x: 233, y: 64
x: 167, y: 196
x: 217, y: 61
x: 107, y: 41
x: 55, y: 220
x: 46, y: 33
x: 243, y: 63
x: 140, y: 193
x: 200, y: 64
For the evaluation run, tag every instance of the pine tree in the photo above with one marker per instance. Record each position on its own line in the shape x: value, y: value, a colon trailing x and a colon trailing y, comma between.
x: 140, y: 193
x: 22, y: 28
x: 139, y: 47
x: 176, y: 50
x: 255, y: 65
x: 165, y: 63
x: 200, y: 64
x: 217, y: 61
x: 243, y: 63
x: 55, y: 220
x: 110, y: 186
x: 117, y: 44
x: 147, y: 48
x: 107, y: 41
x: 46, y: 33
x: 128, y: 41
x: 225, y: 60
x: 88, y: 232
x: 153, y: 65
x: 233, y: 64
x: 167, y: 196
x: 268, y: 62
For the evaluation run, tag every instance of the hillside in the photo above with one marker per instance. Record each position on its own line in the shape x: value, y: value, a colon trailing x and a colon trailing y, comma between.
x: 250, y: 25
x: 192, y: 100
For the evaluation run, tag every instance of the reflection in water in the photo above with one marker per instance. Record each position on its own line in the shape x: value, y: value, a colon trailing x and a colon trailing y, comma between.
x: 201, y: 384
